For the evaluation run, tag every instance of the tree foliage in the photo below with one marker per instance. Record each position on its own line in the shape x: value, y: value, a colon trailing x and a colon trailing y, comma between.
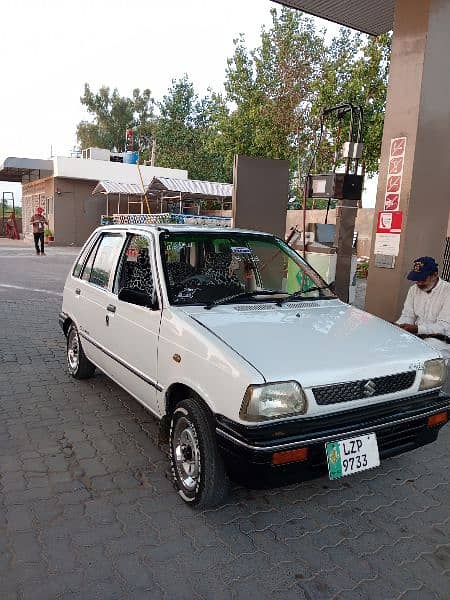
x: 355, y: 70
x: 271, y: 105
x: 184, y: 131
x: 112, y: 115
x: 270, y: 90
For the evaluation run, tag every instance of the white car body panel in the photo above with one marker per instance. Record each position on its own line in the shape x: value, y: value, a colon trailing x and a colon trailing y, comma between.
x: 331, y: 342
x: 208, y: 366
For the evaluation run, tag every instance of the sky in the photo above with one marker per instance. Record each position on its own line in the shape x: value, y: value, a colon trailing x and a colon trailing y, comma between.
x: 50, y: 48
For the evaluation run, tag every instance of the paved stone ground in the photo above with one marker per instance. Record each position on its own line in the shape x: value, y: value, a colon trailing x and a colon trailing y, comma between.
x: 87, y: 510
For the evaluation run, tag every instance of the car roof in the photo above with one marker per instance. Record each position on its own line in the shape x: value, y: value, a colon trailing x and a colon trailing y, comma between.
x: 177, y: 228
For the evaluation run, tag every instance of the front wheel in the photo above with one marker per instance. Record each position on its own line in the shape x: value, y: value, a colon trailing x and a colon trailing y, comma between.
x: 197, y: 467
x: 79, y: 366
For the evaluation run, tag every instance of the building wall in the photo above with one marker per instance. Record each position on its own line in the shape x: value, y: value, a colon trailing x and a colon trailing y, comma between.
x: 260, y: 193
x: 77, y: 212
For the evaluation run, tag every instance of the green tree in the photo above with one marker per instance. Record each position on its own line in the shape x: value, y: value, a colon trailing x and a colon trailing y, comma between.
x: 277, y: 91
x: 270, y: 91
x: 112, y: 114
x: 355, y: 70
x: 185, y: 129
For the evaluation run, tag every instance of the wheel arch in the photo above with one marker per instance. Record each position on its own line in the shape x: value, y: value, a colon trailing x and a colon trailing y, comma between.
x: 177, y: 392
x: 66, y: 325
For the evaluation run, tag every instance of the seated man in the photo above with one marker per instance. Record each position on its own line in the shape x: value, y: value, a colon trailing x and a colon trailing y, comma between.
x: 426, y: 312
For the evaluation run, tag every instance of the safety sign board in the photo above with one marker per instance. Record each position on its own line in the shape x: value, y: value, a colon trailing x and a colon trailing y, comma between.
x: 393, y: 183
x: 389, y: 221
x: 396, y: 165
x: 398, y: 146
x: 389, y: 228
x: 395, y: 174
x: 391, y: 201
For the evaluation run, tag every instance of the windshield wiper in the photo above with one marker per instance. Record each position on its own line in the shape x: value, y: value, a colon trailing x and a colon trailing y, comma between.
x: 301, y: 294
x: 241, y: 295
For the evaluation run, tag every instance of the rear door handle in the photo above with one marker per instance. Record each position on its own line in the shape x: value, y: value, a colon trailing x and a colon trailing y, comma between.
x: 78, y: 291
x: 111, y: 308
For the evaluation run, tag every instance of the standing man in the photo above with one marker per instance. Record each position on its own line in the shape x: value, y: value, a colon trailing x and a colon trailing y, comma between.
x: 39, y: 221
x: 426, y: 312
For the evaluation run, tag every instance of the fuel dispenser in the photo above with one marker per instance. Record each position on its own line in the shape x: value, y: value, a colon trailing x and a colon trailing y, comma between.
x: 345, y: 187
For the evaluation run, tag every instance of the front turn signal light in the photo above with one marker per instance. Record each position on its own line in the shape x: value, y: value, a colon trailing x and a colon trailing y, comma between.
x: 438, y: 419
x: 288, y: 456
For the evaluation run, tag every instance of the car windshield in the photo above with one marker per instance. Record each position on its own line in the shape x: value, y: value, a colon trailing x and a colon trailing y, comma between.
x: 217, y: 267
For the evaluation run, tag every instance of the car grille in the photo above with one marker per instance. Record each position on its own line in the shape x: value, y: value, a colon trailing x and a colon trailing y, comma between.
x: 365, y: 388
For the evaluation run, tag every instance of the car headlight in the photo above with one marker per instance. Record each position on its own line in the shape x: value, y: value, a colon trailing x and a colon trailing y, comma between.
x: 434, y: 374
x: 273, y: 401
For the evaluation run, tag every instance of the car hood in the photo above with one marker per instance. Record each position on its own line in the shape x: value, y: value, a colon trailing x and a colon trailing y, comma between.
x: 318, y: 342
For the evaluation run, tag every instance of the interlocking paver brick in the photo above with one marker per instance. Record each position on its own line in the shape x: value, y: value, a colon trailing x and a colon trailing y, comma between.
x: 26, y: 547
x: 135, y: 572
x: 173, y: 581
x: 61, y: 556
x: 97, y: 535
x: 19, y: 518
x: 52, y: 587
x: 326, y: 584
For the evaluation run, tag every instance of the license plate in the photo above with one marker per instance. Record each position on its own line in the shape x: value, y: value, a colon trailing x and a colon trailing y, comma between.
x: 352, y: 455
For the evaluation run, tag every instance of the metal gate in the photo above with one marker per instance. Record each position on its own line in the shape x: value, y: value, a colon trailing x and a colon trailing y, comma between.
x: 446, y: 261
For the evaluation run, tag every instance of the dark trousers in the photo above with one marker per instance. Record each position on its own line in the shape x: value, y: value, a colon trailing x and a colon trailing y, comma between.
x: 39, y: 237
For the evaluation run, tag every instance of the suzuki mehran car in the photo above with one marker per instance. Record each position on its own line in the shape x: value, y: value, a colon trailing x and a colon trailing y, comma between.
x: 256, y: 370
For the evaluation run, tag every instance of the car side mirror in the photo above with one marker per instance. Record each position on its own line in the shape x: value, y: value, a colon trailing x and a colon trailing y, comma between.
x: 133, y: 296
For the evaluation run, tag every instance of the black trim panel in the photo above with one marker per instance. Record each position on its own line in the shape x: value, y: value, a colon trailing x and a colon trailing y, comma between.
x: 330, y: 426
x: 247, y: 451
x: 121, y: 362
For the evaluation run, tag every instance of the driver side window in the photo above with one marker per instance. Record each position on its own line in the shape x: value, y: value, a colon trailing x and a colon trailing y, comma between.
x: 135, y: 271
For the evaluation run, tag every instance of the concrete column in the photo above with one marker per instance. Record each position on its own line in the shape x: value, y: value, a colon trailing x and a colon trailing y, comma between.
x: 260, y: 194
x: 418, y: 108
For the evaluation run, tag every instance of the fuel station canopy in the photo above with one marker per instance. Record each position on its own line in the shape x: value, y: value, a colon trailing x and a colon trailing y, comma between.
x: 364, y: 15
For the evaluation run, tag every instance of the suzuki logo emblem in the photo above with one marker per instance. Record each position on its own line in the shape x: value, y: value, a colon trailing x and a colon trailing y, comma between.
x: 369, y: 388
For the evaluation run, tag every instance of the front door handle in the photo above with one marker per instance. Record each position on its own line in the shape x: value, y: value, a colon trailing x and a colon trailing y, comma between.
x: 111, y: 308
x: 78, y: 291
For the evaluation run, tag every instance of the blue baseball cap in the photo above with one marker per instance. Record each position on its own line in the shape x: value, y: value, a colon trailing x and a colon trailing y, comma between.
x: 422, y: 268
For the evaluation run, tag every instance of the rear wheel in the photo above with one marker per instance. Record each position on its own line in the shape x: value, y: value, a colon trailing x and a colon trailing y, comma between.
x: 79, y: 366
x: 197, y: 467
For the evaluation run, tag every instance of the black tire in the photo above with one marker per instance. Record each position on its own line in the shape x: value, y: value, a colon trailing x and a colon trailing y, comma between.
x: 79, y: 366
x: 209, y: 484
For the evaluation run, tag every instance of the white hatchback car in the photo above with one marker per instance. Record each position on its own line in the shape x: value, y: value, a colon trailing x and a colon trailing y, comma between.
x: 238, y: 346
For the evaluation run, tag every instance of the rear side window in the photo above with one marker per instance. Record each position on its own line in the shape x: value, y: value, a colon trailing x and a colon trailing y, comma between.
x: 86, y: 274
x: 79, y: 264
x: 102, y: 259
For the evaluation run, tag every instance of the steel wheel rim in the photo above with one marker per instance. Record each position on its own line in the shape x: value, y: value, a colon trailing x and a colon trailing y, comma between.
x: 73, y: 351
x: 186, y: 454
